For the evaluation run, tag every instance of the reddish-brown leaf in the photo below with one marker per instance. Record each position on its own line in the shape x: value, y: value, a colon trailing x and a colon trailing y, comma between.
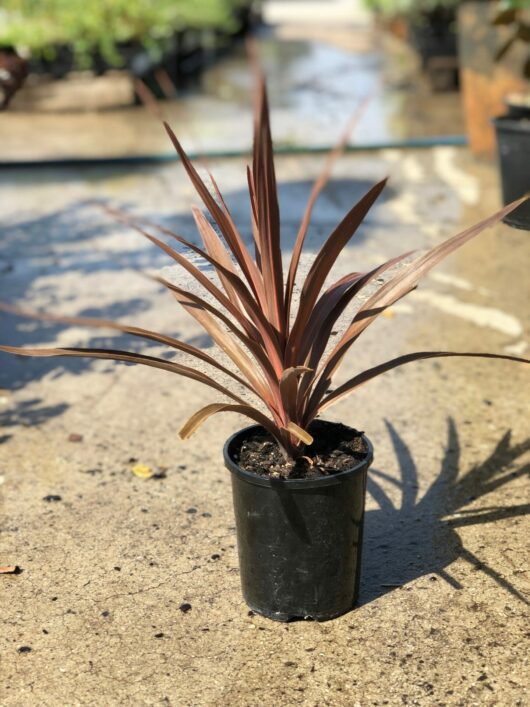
x: 289, y: 388
x: 268, y: 212
x: 267, y: 334
x: 198, y: 418
x: 325, y: 260
x: 230, y: 234
x: 216, y: 249
x: 252, y: 341
x: 127, y: 357
x: 227, y: 344
x: 319, y: 184
x: 396, y: 288
x: 331, y: 306
x: 350, y: 385
x: 126, y: 329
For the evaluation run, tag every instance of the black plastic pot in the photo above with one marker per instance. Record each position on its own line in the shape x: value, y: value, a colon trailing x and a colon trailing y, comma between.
x: 513, y: 144
x: 433, y: 34
x: 299, y: 540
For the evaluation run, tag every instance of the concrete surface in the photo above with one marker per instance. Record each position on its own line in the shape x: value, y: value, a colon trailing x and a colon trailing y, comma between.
x: 318, y: 75
x: 111, y: 567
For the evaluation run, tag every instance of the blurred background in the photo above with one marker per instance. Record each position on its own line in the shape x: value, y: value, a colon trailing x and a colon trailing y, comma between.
x: 434, y: 71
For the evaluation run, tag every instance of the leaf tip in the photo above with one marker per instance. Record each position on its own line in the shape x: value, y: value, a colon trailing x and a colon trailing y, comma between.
x: 299, y: 433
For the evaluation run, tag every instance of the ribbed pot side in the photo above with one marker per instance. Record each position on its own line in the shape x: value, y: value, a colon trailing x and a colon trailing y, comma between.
x: 299, y: 540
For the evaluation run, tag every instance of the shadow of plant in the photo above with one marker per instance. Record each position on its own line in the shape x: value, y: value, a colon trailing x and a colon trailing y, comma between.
x: 28, y: 413
x: 420, y: 536
x: 16, y: 371
x: 37, y: 254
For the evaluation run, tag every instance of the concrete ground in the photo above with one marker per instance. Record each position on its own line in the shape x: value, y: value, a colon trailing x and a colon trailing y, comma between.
x: 129, y: 589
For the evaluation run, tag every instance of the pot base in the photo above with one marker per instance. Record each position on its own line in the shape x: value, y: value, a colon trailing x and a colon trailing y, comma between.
x: 522, y: 224
x: 289, y: 618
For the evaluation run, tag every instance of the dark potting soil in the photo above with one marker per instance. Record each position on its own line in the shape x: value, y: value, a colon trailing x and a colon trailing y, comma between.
x: 335, y: 448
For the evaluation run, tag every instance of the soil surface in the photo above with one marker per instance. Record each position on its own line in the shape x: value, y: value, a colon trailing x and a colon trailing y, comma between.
x: 335, y: 448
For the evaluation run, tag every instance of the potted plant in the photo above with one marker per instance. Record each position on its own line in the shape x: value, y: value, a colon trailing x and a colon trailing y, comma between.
x: 513, y: 144
x: 494, y: 62
x: 430, y: 25
x: 513, y: 129
x: 298, y: 481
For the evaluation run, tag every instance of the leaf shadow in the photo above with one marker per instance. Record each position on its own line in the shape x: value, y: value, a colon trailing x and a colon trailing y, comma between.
x: 29, y: 413
x: 419, y: 536
x: 37, y: 254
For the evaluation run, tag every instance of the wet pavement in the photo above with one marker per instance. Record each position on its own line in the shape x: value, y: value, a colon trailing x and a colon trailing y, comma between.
x: 318, y: 77
x: 129, y: 590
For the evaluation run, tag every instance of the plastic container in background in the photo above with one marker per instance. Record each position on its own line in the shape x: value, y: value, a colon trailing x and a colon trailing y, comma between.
x: 513, y: 145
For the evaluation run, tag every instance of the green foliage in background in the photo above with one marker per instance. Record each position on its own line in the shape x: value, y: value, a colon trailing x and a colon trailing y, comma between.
x: 88, y: 26
x: 411, y: 7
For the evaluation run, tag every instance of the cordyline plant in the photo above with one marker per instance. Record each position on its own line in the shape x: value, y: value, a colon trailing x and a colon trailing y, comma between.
x: 282, y: 356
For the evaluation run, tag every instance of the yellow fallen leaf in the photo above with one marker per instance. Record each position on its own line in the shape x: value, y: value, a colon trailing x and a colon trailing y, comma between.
x: 142, y: 471
x: 389, y: 313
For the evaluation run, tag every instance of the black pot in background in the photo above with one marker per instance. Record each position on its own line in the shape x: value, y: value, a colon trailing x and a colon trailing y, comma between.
x: 299, y: 540
x: 513, y: 144
x: 433, y: 33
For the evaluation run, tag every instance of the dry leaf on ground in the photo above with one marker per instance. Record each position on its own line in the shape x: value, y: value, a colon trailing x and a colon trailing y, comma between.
x: 142, y: 471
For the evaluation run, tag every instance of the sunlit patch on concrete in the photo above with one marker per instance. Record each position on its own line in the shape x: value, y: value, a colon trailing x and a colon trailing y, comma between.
x: 477, y: 314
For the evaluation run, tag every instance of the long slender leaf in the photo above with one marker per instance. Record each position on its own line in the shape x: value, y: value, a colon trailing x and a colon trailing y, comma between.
x: 227, y: 344
x: 268, y: 212
x: 231, y: 235
x: 215, y: 248
x: 268, y: 338
x: 126, y: 329
x: 254, y: 216
x: 252, y: 308
x: 258, y: 281
x: 220, y: 267
x: 325, y: 261
x: 395, y: 289
x: 339, y: 299
x: 199, y: 309
x: 350, y: 385
x: 128, y: 357
x: 318, y: 186
x: 251, y: 343
x: 333, y: 303
x: 198, y: 418
x: 289, y: 388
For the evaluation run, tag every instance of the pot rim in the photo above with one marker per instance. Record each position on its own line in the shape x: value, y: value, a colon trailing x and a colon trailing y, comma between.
x: 320, y: 482
x: 507, y: 123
